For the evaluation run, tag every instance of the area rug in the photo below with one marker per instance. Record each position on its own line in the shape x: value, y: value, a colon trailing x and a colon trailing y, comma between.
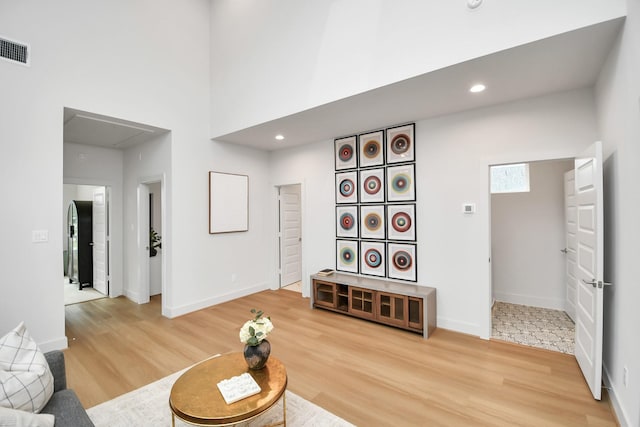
x: 149, y: 406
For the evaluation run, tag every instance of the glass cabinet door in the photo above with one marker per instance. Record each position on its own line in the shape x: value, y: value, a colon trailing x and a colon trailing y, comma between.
x: 392, y: 309
x: 361, y: 302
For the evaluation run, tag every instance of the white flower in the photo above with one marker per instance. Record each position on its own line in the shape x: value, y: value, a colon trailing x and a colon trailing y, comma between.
x: 256, y: 330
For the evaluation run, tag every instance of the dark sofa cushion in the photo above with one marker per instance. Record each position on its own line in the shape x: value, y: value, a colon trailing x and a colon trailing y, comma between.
x: 67, y: 409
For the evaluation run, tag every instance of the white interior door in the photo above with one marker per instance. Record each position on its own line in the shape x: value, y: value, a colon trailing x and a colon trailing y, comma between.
x: 290, y: 235
x: 590, y: 261
x: 143, y: 244
x: 100, y: 240
x: 570, y: 242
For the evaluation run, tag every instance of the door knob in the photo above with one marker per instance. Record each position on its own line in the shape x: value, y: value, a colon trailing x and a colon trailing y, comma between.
x: 564, y: 251
x: 596, y: 283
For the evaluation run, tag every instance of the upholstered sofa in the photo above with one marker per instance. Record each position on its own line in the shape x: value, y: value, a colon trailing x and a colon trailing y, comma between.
x: 64, y: 404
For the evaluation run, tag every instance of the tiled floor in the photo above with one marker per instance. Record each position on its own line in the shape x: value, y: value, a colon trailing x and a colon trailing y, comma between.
x: 295, y: 287
x: 72, y: 295
x: 533, y: 326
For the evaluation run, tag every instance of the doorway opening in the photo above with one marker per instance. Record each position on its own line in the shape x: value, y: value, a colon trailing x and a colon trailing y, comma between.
x: 290, y: 237
x: 530, y: 270
x: 85, y: 242
x: 151, y: 228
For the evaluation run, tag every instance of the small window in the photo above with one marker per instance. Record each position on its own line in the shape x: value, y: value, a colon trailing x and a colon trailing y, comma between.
x: 510, y: 178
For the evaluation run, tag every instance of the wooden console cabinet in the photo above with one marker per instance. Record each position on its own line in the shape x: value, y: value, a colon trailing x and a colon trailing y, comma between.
x: 406, y: 306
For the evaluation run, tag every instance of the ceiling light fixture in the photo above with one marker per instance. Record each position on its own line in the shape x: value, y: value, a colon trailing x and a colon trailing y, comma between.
x: 477, y: 88
x: 279, y: 137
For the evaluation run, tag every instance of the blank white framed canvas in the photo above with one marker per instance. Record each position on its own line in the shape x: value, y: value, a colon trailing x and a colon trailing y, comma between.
x: 228, y: 202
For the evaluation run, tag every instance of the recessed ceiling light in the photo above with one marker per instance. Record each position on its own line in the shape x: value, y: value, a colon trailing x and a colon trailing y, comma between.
x: 477, y: 88
x: 279, y: 137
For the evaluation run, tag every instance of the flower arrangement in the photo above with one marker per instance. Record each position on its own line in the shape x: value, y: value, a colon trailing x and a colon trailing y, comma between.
x: 254, y: 331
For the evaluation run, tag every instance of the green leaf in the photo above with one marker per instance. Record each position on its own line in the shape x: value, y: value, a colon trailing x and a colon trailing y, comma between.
x: 252, y: 331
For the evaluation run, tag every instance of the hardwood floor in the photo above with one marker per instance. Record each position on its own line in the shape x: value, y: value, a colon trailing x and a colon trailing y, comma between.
x: 366, y: 373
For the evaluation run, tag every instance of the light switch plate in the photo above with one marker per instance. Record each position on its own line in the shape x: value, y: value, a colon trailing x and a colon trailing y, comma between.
x: 40, y: 236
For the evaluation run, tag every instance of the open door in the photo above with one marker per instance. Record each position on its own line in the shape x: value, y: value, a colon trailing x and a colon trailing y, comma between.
x: 590, y: 262
x: 570, y: 243
x: 290, y: 235
x: 100, y: 240
x: 143, y: 244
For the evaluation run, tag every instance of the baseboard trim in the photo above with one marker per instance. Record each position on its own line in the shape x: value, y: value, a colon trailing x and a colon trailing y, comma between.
x: 618, y: 410
x: 551, y: 303
x: 172, y: 312
x: 55, y: 344
x: 458, y: 326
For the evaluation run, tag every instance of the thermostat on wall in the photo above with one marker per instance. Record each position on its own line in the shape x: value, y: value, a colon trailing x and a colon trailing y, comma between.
x: 469, y: 208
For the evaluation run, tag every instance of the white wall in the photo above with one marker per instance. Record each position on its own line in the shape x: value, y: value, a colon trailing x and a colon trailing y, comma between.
x: 275, y: 58
x: 453, y: 155
x: 312, y: 167
x: 86, y: 164
x: 221, y: 266
x: 148, y: 162
x: 527, y: 234
x: 142, y: 61
x: 618, y: 103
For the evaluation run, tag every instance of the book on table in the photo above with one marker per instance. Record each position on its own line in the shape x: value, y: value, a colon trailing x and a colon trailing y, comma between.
x: 238, y: 388
x: 326, y: 272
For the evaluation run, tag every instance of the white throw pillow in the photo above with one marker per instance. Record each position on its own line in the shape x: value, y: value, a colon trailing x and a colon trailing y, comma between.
x: 26, y: 382
x: 16, y: 418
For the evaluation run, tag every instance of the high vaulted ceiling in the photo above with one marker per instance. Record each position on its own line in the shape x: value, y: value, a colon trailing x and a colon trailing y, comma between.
x: 564, y: 62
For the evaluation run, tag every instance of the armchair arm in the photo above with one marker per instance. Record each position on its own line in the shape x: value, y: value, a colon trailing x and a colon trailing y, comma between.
x: 55, y: 359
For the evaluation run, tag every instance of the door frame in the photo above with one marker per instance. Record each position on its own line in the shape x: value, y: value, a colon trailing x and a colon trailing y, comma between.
x: 280, y: 219
x: 142, y: 244
x: 276, y: 259
x: 108, y: 185
x: 486, y: 328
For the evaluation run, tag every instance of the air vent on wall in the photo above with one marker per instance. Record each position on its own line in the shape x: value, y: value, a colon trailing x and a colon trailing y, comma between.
x: 14, y: 51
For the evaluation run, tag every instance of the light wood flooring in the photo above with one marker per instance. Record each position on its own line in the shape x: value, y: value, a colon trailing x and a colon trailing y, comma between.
x: 368, y: 374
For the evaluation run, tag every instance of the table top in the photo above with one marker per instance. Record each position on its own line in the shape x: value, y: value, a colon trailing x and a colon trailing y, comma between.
x: 195, y: 397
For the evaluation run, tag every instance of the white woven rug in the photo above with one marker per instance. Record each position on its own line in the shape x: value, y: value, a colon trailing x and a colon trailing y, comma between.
x: 149, y: 406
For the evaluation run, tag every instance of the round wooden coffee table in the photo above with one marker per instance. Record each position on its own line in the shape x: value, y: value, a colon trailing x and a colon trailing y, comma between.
x: 196, y: 400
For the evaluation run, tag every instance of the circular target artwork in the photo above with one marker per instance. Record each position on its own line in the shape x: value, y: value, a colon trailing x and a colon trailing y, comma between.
x: 345, y: 149
x: 347, y: 187
x: 346, y: 153
x: 373, y: 262
x: 373, y: 258
x: 347, y: 256
x: 400, y: 144
x: 401, y: 225
x: 347, y: 221
x: 372, y: 185
x: 372, y: 189
x: 371, y: 151
x: 402, y: 261
x: 401, y: 183
x: 401, y: 222
x: 372, y: 222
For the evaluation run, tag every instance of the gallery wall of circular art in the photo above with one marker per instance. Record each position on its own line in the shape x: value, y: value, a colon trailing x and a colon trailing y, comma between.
x: 376, y: 203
